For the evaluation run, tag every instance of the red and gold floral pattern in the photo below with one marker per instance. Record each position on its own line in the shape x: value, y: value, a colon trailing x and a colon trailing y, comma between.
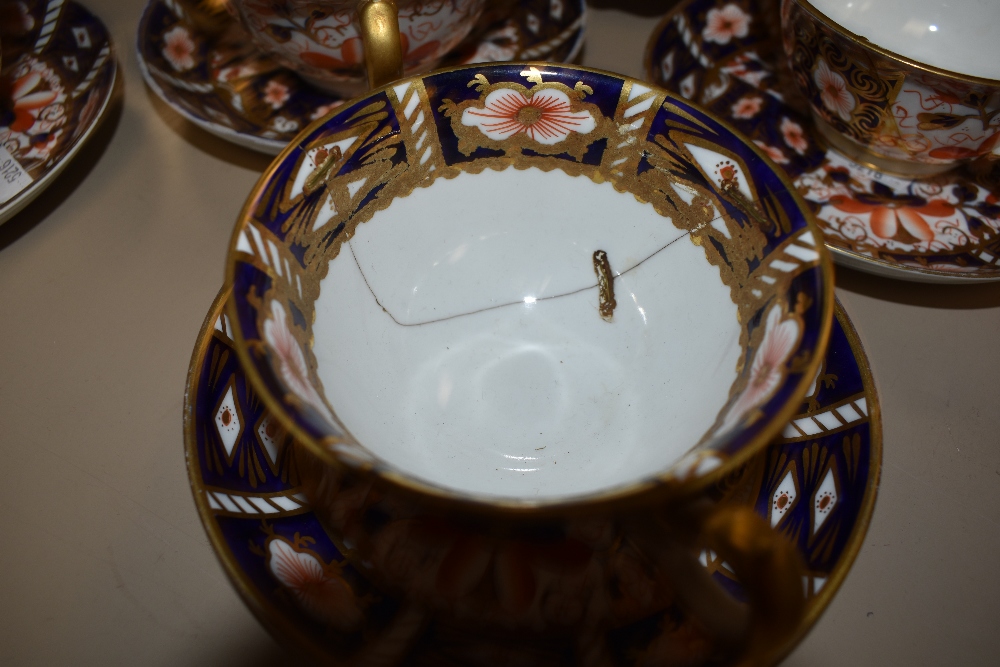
x: 833, y: 91
x: 767, y: 370
x: 317, y: 587
x: 57, y: 79
x: 179, y: 48
x: 881, y: 214
x: 885, y: 106
x: 208, y: 69
x: 747, y: 106
x: 36, y: 125
x: 939, y: 228
x: 291, y: 361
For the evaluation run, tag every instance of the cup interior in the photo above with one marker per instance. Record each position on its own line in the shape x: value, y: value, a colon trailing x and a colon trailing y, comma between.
x: 954, y: 35
x: 459, y: 335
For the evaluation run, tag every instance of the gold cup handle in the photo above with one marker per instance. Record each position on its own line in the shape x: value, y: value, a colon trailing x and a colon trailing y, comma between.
x: 379, y: 23
x: 771, y: 571
x: 767, y: 565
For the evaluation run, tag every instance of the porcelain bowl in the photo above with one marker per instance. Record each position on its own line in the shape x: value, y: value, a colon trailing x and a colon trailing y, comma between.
x: 528, y: 287
x: 875, y: 98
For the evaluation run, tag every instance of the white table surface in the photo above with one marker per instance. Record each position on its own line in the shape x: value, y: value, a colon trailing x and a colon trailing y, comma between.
x: 104, y: 283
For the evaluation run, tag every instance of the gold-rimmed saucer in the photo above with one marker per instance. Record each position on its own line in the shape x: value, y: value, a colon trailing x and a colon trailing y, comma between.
x: 817, y: 484
x: 58, y: 75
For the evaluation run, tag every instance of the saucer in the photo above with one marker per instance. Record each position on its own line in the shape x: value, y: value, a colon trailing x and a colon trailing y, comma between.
x: 944, y: 229
x: 817, y: 484
x: 205, y: 68
x: 58, y: 73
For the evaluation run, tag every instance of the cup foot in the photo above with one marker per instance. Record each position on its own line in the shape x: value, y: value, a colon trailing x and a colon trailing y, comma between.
x: 903, y: 168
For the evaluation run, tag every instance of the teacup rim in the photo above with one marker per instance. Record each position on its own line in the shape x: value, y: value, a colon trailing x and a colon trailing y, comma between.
x: 892, y: 55
x: 658, y: 488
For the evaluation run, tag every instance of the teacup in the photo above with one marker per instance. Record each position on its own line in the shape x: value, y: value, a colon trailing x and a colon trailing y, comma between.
x: 509, y: 299
x: 327, y: 41
x: 909, y: 87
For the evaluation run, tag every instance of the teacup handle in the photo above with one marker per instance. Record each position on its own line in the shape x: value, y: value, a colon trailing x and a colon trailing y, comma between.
x: 767, y: 565
x: 771, y: 571
x: 379, y: 23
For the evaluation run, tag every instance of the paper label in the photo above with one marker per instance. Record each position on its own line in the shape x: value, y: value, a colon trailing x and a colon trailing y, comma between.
x: 13, y: 177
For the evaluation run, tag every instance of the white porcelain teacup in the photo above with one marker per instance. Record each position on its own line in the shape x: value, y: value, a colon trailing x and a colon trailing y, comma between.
x: 325, y: 41
x: 910, y: 86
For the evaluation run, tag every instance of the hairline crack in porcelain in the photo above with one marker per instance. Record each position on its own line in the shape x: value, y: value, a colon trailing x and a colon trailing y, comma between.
x: 488, y: 325
x: 359, y: 270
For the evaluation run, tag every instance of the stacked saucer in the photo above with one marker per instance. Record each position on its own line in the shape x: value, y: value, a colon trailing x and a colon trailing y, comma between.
x: 58, y: 74
x: 499, y: 346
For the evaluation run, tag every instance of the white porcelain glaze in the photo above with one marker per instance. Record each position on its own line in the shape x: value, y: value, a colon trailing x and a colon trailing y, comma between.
x: 540, y: 397
x: 956, y: 35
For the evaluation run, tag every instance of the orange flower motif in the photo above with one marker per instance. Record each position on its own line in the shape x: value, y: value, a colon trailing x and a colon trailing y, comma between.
x: 325, y: 109
x: 28, y: 100
x: 178, y: 48
x: 276, y: 94
x: 794, y: 136
x: 320, y: 590
x: 889, y: 212
x: 773, y: 152
x: 747, y: 106
x: 545, y: 116
x: 767, y: 369
x: 833, y: 91
x: 721, y: 25
x: 291, y: 362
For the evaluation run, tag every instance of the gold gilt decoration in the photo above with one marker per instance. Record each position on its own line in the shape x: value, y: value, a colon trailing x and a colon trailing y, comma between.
x: 605, y: 285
